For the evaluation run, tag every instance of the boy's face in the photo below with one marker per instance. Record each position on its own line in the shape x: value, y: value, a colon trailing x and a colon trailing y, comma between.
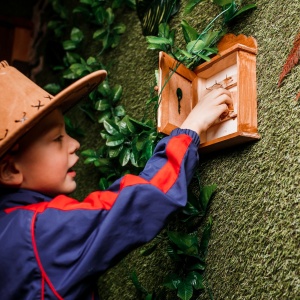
x: 46, y: 155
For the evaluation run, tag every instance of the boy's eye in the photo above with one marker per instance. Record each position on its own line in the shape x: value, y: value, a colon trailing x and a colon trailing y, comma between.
x: 59, y: 138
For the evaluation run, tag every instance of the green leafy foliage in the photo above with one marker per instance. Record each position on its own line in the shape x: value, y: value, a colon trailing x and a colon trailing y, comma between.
x: 199, y: 45
x: 154, y: 12
x: 75, y: 39
x: 188, y: 250
x: 102, y: 14
x: 59, y: 22
x: 126, y: 144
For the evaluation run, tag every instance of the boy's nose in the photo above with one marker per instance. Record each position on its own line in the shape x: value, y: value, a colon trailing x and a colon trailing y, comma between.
x: 74, y: 145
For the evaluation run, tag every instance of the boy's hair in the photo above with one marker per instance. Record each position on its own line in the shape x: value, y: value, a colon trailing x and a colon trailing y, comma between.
x: 23, y: 103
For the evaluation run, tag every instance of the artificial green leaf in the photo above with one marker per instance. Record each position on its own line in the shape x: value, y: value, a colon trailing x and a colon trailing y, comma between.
x: 82, y: 10
x: 172, y: 281
x: 52, y: 88
x: 91, y: 60
x: 103, y: 184
x: 69, y: 45
x: 100, y: 15
x: 102, y: 162
x: 157, y: 47
x: 242, y: 10
x: 134, y: 159
x: 195, y: 46
x: 163, y: 30
x: 100, y: 33
x: 183, y: 241
x: 68, y: 74
x: 149, y: 297
x: 114, y: 40
x: 206, y: 193
x: 185, y: 290
x: 209, y: 37
x: 197, y: 266
x: 131, y: 4
x: 191, y: 5
x: 137, y: 284
x: 110, y: 127
x: 72, y: 58
x: 195, y: 279
x: 173, y: 253
x: 123, y: 127
x: 106, y: 115
x: 157, y: 40
x: 114, y: 140
x: 190, y: 210
x: 204, y: 57
x: 148, y: 150
x: 154, y: 12
x: 89, y: 160
x: 129, y: 124
x: 79, y: 69
x: 104, y: 88
x: 189, y: 33
x: 89, y: 152
x: 116, y: 3
x: 104, y: 135
x: 124, y: 156
x: 102, y: 105
x: 60, y: 9
x: 119, y: 28
x: 140, y: 125
x: 114, y: 151
x: 205, y: 238
x: 141, y: 141
x: 110, y: 16
x: 120, y: 111
x: 116, y: 93
x: 88, y: 2
x: 87, y: 109
x: 76, y: 35
x: 185, y: 53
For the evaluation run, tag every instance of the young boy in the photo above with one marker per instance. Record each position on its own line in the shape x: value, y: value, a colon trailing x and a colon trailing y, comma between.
x: 52, y: 246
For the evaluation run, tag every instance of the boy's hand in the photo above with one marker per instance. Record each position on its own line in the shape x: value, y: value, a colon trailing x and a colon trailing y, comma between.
x: 208, y: 110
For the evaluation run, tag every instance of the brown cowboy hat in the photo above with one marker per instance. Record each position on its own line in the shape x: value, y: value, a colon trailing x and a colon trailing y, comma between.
x: 23, y: 103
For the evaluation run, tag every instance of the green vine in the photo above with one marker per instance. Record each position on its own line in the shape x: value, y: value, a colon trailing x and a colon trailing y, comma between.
x: 127, y: 144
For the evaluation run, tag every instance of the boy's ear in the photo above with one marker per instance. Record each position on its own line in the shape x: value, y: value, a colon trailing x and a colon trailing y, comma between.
x: 10, y: 175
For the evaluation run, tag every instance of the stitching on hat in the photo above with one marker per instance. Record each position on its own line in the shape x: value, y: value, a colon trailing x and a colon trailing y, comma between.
x: 5, y: 135
x: 39, y: 105
x: 23, y: 119
x: 48, y: 97
x: 4, y: 64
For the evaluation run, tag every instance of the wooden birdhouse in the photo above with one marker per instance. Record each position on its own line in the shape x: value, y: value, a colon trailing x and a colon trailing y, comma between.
x: 233, y: 68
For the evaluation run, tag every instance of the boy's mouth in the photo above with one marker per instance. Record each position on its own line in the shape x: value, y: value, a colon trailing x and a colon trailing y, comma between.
x: 71, y: 172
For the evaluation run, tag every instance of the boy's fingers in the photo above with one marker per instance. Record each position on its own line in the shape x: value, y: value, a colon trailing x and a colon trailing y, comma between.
x: 224, y: 99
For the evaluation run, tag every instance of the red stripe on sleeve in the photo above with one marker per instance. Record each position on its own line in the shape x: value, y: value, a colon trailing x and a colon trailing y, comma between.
x: 168, y: 174
x: 95, y: 200
x: 129, y: 180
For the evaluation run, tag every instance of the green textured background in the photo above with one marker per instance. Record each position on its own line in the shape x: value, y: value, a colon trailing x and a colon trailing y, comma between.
x: 254, y: 250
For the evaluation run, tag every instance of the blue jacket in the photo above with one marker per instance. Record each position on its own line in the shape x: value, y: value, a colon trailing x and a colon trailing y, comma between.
x: 57, y: 248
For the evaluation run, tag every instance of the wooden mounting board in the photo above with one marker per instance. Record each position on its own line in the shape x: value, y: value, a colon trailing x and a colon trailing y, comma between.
x: 180, y: 88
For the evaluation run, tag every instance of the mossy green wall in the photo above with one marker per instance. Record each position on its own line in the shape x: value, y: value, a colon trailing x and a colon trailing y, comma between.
x: 254, y: 249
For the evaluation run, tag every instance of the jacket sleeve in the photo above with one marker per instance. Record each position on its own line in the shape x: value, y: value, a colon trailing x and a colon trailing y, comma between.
x: 81, y: 239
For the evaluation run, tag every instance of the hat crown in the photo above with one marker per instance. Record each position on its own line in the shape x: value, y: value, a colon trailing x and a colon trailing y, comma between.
x: 23, y: 103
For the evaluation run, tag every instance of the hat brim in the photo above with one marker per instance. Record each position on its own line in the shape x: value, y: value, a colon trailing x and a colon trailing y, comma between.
x: 64, y: 100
